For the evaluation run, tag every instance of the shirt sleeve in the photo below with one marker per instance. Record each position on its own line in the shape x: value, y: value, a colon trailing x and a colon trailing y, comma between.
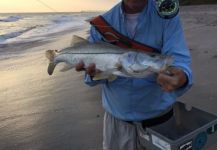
x: 174, y: 45
x: 93, y: 37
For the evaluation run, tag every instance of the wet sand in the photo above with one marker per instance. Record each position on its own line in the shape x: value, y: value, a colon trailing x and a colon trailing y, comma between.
x: 39, y: 111
x: 42, y: 112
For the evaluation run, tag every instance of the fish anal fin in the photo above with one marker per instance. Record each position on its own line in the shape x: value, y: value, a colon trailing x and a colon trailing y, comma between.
x: 105, y: 75
x: 112, y: 78
x: 100, y: 76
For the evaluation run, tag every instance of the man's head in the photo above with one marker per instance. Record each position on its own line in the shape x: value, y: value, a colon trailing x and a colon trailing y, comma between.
x: 134, y: 6
x: 166, y: 8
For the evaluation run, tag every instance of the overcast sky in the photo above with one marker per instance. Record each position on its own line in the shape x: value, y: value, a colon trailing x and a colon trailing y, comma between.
x: 52, y: 5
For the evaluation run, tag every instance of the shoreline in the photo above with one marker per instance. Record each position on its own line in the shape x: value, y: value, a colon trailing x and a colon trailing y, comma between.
x: 58, y: 40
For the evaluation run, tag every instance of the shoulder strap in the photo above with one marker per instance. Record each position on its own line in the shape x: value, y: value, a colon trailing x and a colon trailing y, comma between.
x: 114, y: 37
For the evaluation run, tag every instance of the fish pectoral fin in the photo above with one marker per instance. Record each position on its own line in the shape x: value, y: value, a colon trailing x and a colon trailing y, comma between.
x: 66, y: 67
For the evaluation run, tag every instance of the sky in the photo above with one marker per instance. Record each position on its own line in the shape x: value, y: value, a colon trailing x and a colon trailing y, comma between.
x: 7, y: 6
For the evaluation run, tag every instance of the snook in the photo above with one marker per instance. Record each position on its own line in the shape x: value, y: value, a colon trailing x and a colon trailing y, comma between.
x: 111, y: 60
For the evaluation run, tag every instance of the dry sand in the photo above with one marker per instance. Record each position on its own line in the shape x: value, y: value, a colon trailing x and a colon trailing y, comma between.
x: 39, y: 112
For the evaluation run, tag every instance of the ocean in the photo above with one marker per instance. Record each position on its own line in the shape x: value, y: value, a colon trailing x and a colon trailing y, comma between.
x: 30, y: 27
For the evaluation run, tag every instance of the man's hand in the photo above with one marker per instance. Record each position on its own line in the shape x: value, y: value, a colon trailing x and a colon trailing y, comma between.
x: 171, y: 79
x: 90, y: 70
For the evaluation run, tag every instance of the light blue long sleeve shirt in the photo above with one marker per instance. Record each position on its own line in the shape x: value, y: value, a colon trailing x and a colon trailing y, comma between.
x: 133, y: 99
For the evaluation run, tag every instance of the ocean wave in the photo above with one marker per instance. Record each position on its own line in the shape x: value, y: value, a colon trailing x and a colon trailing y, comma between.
x: 35, y: 27
x: 11, y: 19
x: 15, y: 34
x: 63, y: 19
x: 44, y: 31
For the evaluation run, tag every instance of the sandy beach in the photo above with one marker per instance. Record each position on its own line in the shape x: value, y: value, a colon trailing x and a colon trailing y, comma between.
x: 43, y: 112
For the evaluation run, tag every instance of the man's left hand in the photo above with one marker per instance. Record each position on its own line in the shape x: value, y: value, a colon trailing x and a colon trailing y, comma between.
x: 171, y: 79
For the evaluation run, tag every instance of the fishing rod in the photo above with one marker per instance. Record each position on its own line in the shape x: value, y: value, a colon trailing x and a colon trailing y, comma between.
x: 46, y: 5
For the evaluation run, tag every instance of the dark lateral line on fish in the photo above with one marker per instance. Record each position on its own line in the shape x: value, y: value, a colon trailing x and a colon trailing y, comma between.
x: 91, y: 53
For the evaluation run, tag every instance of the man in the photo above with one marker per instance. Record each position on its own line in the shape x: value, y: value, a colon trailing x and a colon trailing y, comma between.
x: 130, y: 100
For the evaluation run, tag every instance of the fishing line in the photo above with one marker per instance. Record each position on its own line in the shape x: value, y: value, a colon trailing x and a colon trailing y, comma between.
x: 54, y: 10
x: 46, y: 5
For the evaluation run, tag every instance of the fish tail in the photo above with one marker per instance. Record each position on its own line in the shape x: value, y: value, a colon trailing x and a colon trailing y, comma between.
x: 51, y: 54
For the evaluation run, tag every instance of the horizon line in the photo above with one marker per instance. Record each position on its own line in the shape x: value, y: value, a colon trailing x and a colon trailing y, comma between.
x: 82, y: 11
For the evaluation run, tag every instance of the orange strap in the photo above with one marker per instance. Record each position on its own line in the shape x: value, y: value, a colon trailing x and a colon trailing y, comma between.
x: 112, y: 36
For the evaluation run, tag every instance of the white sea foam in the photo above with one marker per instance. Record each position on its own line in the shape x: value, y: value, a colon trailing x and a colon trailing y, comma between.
x: 10, y: 19
x: 63, y: 19
x: 15, y: 34
x: 37, y: 26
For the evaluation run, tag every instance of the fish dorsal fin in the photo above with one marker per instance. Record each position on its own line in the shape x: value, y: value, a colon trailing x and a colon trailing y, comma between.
x: 115, y: 48
x: 77, y: 40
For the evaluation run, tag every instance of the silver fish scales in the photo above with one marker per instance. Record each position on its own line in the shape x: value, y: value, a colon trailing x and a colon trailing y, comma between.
x: 109, y: 59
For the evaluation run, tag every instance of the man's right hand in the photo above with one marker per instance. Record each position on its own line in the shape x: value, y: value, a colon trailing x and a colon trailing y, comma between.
x: 90, y: 70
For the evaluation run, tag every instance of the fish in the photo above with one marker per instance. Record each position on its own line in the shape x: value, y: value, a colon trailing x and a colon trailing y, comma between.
x: 111, y: 60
